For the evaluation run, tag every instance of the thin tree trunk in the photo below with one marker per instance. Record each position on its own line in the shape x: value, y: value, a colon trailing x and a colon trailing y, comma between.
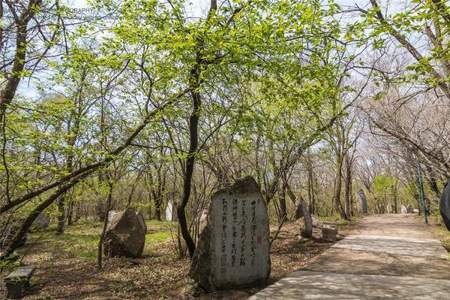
x: 283, y: 208
x: 61, y: 215
x: 190, y: 162
x: 348, y: 187
x: 338, y: 189
x: 105, y: 225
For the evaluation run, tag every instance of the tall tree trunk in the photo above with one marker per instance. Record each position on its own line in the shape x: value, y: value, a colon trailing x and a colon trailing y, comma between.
x: 190, y: 162
x: 70, y: 210
x: 338, y: 188
x: 283, y: 208
x: 105, y: 225
x: 61, y: 215
x: 311, y: 190
x: 348, y: 187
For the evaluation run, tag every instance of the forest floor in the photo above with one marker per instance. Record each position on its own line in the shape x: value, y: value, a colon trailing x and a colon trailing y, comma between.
x: 66, y: 264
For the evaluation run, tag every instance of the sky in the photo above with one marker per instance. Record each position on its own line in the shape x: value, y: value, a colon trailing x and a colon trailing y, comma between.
x: 198, y: 8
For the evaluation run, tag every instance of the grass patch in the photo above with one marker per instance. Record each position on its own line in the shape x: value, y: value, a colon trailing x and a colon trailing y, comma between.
x: 81, y: 240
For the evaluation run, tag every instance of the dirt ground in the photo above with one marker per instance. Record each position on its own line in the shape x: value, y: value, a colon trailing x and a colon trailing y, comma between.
x: 66, y: 267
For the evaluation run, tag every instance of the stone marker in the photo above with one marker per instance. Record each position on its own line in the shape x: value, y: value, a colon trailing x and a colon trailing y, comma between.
x: 111, y: 214
x: 42, y: 221
x: 363, y: 201
x: 18, y: 282
x: 203, y: 220
x: 329, y: 232
x: 169, y: 212
x: 125, y: 235
x: 403, y: 209
x: 233, y: 250
x: 444, y: 205
x: 409, y: 209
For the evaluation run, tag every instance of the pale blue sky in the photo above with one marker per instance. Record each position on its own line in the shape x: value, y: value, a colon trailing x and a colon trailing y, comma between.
x: 199, y: 8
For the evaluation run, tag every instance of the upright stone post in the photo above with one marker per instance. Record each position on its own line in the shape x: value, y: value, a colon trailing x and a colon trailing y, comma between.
x: 363, y: 201
x: 444, y: 205
x: 169, y: 212
x: 233, y: 250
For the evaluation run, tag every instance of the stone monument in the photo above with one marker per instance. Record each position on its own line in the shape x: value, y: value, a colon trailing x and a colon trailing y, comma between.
x: 42, y: 221
x: 329, y: 232
x: 363, y: 201
x: 403, y: 209
x: 111, y: 215
x: 169, y: 212
x: 409, y: 209
x: 125, y: 235
x: 444, y: 205
x: 233, y: 250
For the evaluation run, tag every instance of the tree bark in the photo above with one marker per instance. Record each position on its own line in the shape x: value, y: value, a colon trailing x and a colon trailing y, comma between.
x: 190, y: 162
x: 105, y: 225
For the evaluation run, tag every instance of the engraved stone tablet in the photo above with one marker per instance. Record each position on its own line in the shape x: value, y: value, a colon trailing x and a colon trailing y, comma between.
x: 233, y: 250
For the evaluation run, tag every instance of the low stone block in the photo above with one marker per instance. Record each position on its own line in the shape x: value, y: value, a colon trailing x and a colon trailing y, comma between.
x: 329, y: 232
x: 18, y: 282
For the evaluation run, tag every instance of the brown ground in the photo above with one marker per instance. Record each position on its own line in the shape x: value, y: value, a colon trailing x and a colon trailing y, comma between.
x: 66, y: 270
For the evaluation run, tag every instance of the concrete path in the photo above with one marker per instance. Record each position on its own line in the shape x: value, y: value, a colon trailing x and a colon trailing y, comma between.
x: 387, y: 257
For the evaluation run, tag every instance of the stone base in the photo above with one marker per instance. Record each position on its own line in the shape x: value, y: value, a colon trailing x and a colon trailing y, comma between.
x: 18, y: 282
x: 16, y: 289
x: 329, y: 233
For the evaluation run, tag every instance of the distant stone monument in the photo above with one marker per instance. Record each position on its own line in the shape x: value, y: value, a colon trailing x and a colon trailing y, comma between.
x: 363, y: 201
x: 409, y: 209
x: 42, y: 221
x: 203, y: 220
x: 111, y: 214
x: 329, y: 232
x: 444, y: 205
x: 403, y: 209
x: 233, y: 250
x: 169, y: 212
x: 125, y: 235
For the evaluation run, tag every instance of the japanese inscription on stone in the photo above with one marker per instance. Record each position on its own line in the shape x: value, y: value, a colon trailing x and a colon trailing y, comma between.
x: 236, y: 252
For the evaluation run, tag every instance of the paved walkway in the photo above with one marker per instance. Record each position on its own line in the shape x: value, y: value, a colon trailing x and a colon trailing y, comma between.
x: 387, y: 257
